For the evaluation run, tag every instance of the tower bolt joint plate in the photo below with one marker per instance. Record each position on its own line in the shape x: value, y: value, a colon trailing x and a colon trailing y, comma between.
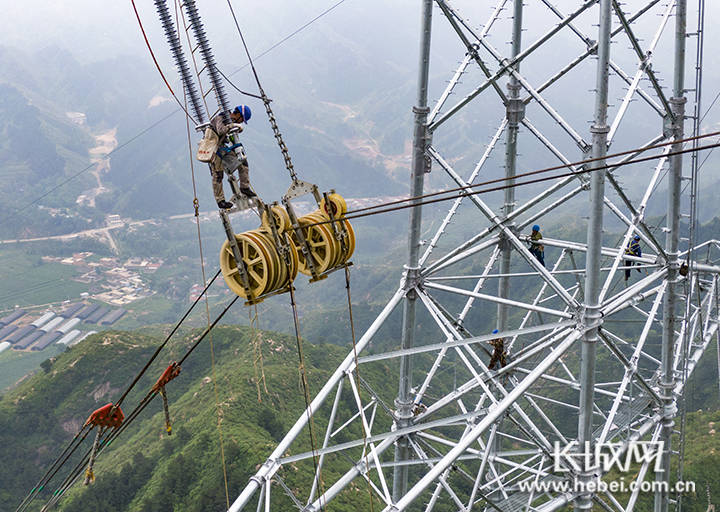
x: 361, y: 466
x: 590, y: 318
x: 515, y: 110
x: 508, y: 208
x: 268, y: 466
x: 584, y: 181
x: 426, y: 143
x: 673, y: 123
x: 403, y: 411
x: 673, y: 262
x: 599, y: 129
x: 413, y: 278
x: 677, y: 103
x: 260, y: 480
x: 669, y: 413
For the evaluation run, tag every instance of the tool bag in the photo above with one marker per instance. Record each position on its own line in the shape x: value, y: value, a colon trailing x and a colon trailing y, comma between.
x: 231, y: 157
x: 208, y: 146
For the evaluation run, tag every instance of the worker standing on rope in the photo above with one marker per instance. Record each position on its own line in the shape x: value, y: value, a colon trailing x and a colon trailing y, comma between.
x: 225, y: 157
x: 633, y: 249
x: 498, y: 356
x: 536, y: 248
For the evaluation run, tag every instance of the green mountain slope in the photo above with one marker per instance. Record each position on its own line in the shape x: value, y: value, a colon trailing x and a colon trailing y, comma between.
x: 145, y: 469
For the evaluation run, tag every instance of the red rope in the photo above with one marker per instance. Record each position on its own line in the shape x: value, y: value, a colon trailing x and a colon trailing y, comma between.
x: 152, y: 54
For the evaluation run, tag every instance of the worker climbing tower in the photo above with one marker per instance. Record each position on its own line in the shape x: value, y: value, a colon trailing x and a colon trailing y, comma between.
x: 594, y: 359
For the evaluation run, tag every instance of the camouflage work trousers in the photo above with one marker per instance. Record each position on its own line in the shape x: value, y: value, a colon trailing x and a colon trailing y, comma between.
x: 217, y: 171
x: 498, y: 357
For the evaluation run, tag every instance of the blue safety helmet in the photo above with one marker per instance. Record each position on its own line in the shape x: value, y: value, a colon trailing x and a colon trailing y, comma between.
x: 495, y: 331
x: 637, y: 237
x: 245, y: 111
x: 536, y: 228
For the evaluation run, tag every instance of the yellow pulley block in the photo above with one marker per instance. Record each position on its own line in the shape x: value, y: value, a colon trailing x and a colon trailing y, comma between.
x: 282, y: 219
x: 267, y: 271
x: 336, y: 208
x: 321, y: 244
x: 271, y: 264
x: 257, y: 264
x: 327, y: 252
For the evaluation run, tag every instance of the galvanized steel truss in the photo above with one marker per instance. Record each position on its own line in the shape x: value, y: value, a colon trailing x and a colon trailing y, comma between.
x: 476, y: 438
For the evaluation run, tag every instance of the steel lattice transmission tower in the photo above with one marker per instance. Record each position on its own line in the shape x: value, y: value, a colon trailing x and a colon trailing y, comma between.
x: 592, y: 356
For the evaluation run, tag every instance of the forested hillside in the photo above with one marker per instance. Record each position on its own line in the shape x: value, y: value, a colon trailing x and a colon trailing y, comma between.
x: 145, y: 470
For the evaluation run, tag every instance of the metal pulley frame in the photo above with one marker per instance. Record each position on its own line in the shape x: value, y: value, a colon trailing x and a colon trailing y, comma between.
x: 331, y: 206
x: 277, y: 220
x: 297, y: 189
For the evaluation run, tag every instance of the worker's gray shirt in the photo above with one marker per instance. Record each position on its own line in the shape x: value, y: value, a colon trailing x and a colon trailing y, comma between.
x: 221, y: 128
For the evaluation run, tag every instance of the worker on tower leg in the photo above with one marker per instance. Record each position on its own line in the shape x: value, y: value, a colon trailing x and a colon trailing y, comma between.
x: 498, y: 356
x: 633, y: 249
x: 226, y: 155
x: 536, y: 248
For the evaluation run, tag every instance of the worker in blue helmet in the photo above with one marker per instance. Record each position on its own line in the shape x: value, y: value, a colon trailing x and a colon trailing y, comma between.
x: 536, y: 248
x: 499, y: 355
x: 228, y: 157
x: 633, y: 249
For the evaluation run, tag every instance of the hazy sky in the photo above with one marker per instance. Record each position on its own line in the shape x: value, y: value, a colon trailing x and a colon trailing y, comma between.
x: 93, y: 29
x: 378, y: 31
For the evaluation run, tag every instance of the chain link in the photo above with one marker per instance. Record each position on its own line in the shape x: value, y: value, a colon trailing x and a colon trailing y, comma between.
x: 278, y: 136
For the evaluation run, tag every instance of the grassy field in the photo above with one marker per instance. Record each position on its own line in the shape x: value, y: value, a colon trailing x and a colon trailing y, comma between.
x: 27, y: 280
x: 14, y: 365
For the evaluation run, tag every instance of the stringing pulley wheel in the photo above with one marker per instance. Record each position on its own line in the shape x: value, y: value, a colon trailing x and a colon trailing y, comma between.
x: 259, y: 267
x: 336, y: 208
x: 282, y: 219
x: 350, y: 248
x: 320, y: 241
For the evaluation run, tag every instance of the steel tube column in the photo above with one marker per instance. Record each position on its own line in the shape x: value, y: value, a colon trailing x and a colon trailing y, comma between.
x: 421, y: 136
x: 592, y: 317
x: 667, y: 379
x: 515, y: 113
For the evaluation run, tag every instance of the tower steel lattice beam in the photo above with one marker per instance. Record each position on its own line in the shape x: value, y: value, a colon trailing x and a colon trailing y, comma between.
x: 599, y: 342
